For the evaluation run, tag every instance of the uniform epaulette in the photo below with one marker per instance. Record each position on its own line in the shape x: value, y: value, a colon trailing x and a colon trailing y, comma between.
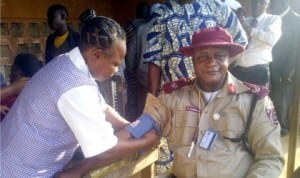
x: 175, y: 85
x: 259, y: 90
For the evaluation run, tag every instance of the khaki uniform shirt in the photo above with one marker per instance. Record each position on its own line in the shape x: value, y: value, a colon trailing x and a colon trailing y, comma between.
x: 184, y: 112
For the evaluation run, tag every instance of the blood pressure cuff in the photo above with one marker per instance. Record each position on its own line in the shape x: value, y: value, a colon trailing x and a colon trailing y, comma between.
x: 142, y: 125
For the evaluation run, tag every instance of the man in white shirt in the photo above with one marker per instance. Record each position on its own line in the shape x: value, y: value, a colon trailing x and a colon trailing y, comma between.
x: 263, y: 31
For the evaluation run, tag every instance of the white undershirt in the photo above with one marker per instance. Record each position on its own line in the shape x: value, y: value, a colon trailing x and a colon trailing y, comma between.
x: 83, y: 108
x: 209, y: 96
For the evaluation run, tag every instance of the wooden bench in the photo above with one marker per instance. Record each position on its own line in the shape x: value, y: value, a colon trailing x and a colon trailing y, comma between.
x: 134, y: 166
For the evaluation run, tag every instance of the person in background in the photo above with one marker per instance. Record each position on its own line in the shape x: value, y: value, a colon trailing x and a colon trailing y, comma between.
x: 61, y: 108
x: 63, y: 38
x: 173, y: 29
x: 142, y: 16
x: 263, y: 30
x: 285, y: 55
x: 24, y: 67
x: 131, y: 98
x: 241, y: 13
x: 217, y: 125
x: 136, y: 70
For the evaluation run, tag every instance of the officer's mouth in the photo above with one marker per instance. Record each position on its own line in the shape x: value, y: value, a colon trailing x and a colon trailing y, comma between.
x: 212, y: 72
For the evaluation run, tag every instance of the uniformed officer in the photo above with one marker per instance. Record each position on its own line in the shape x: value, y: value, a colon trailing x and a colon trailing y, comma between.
x: 206, y: 120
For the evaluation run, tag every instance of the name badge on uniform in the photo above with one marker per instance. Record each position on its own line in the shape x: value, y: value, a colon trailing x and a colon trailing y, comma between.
x: 208, y: 139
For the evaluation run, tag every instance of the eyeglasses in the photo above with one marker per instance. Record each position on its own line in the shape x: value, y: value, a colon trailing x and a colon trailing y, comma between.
x: 219, y: 57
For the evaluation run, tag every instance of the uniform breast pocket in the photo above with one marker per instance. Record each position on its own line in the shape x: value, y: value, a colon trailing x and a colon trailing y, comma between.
x: 230, y: 128
x: 185, y: 126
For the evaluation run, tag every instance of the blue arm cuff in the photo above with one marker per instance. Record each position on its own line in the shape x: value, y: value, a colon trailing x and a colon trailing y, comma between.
x: 142, y: 125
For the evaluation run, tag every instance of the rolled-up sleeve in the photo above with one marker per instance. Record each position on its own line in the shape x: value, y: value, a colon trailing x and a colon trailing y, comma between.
x: 83, y: 110
x: 158, y: 110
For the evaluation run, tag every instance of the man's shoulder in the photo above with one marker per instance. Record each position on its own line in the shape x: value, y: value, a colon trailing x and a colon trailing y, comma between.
x: 235, y: 86
x: 257, y: 90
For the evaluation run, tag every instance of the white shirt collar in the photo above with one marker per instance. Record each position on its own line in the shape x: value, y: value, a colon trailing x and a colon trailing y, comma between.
x: 209, y: 96
x: 78, y: 60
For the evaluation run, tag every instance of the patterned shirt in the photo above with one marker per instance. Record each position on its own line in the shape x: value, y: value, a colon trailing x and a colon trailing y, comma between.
x: 174, y: 28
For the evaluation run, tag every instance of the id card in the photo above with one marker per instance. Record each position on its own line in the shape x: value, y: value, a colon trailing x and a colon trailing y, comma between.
x: 208, y: 139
